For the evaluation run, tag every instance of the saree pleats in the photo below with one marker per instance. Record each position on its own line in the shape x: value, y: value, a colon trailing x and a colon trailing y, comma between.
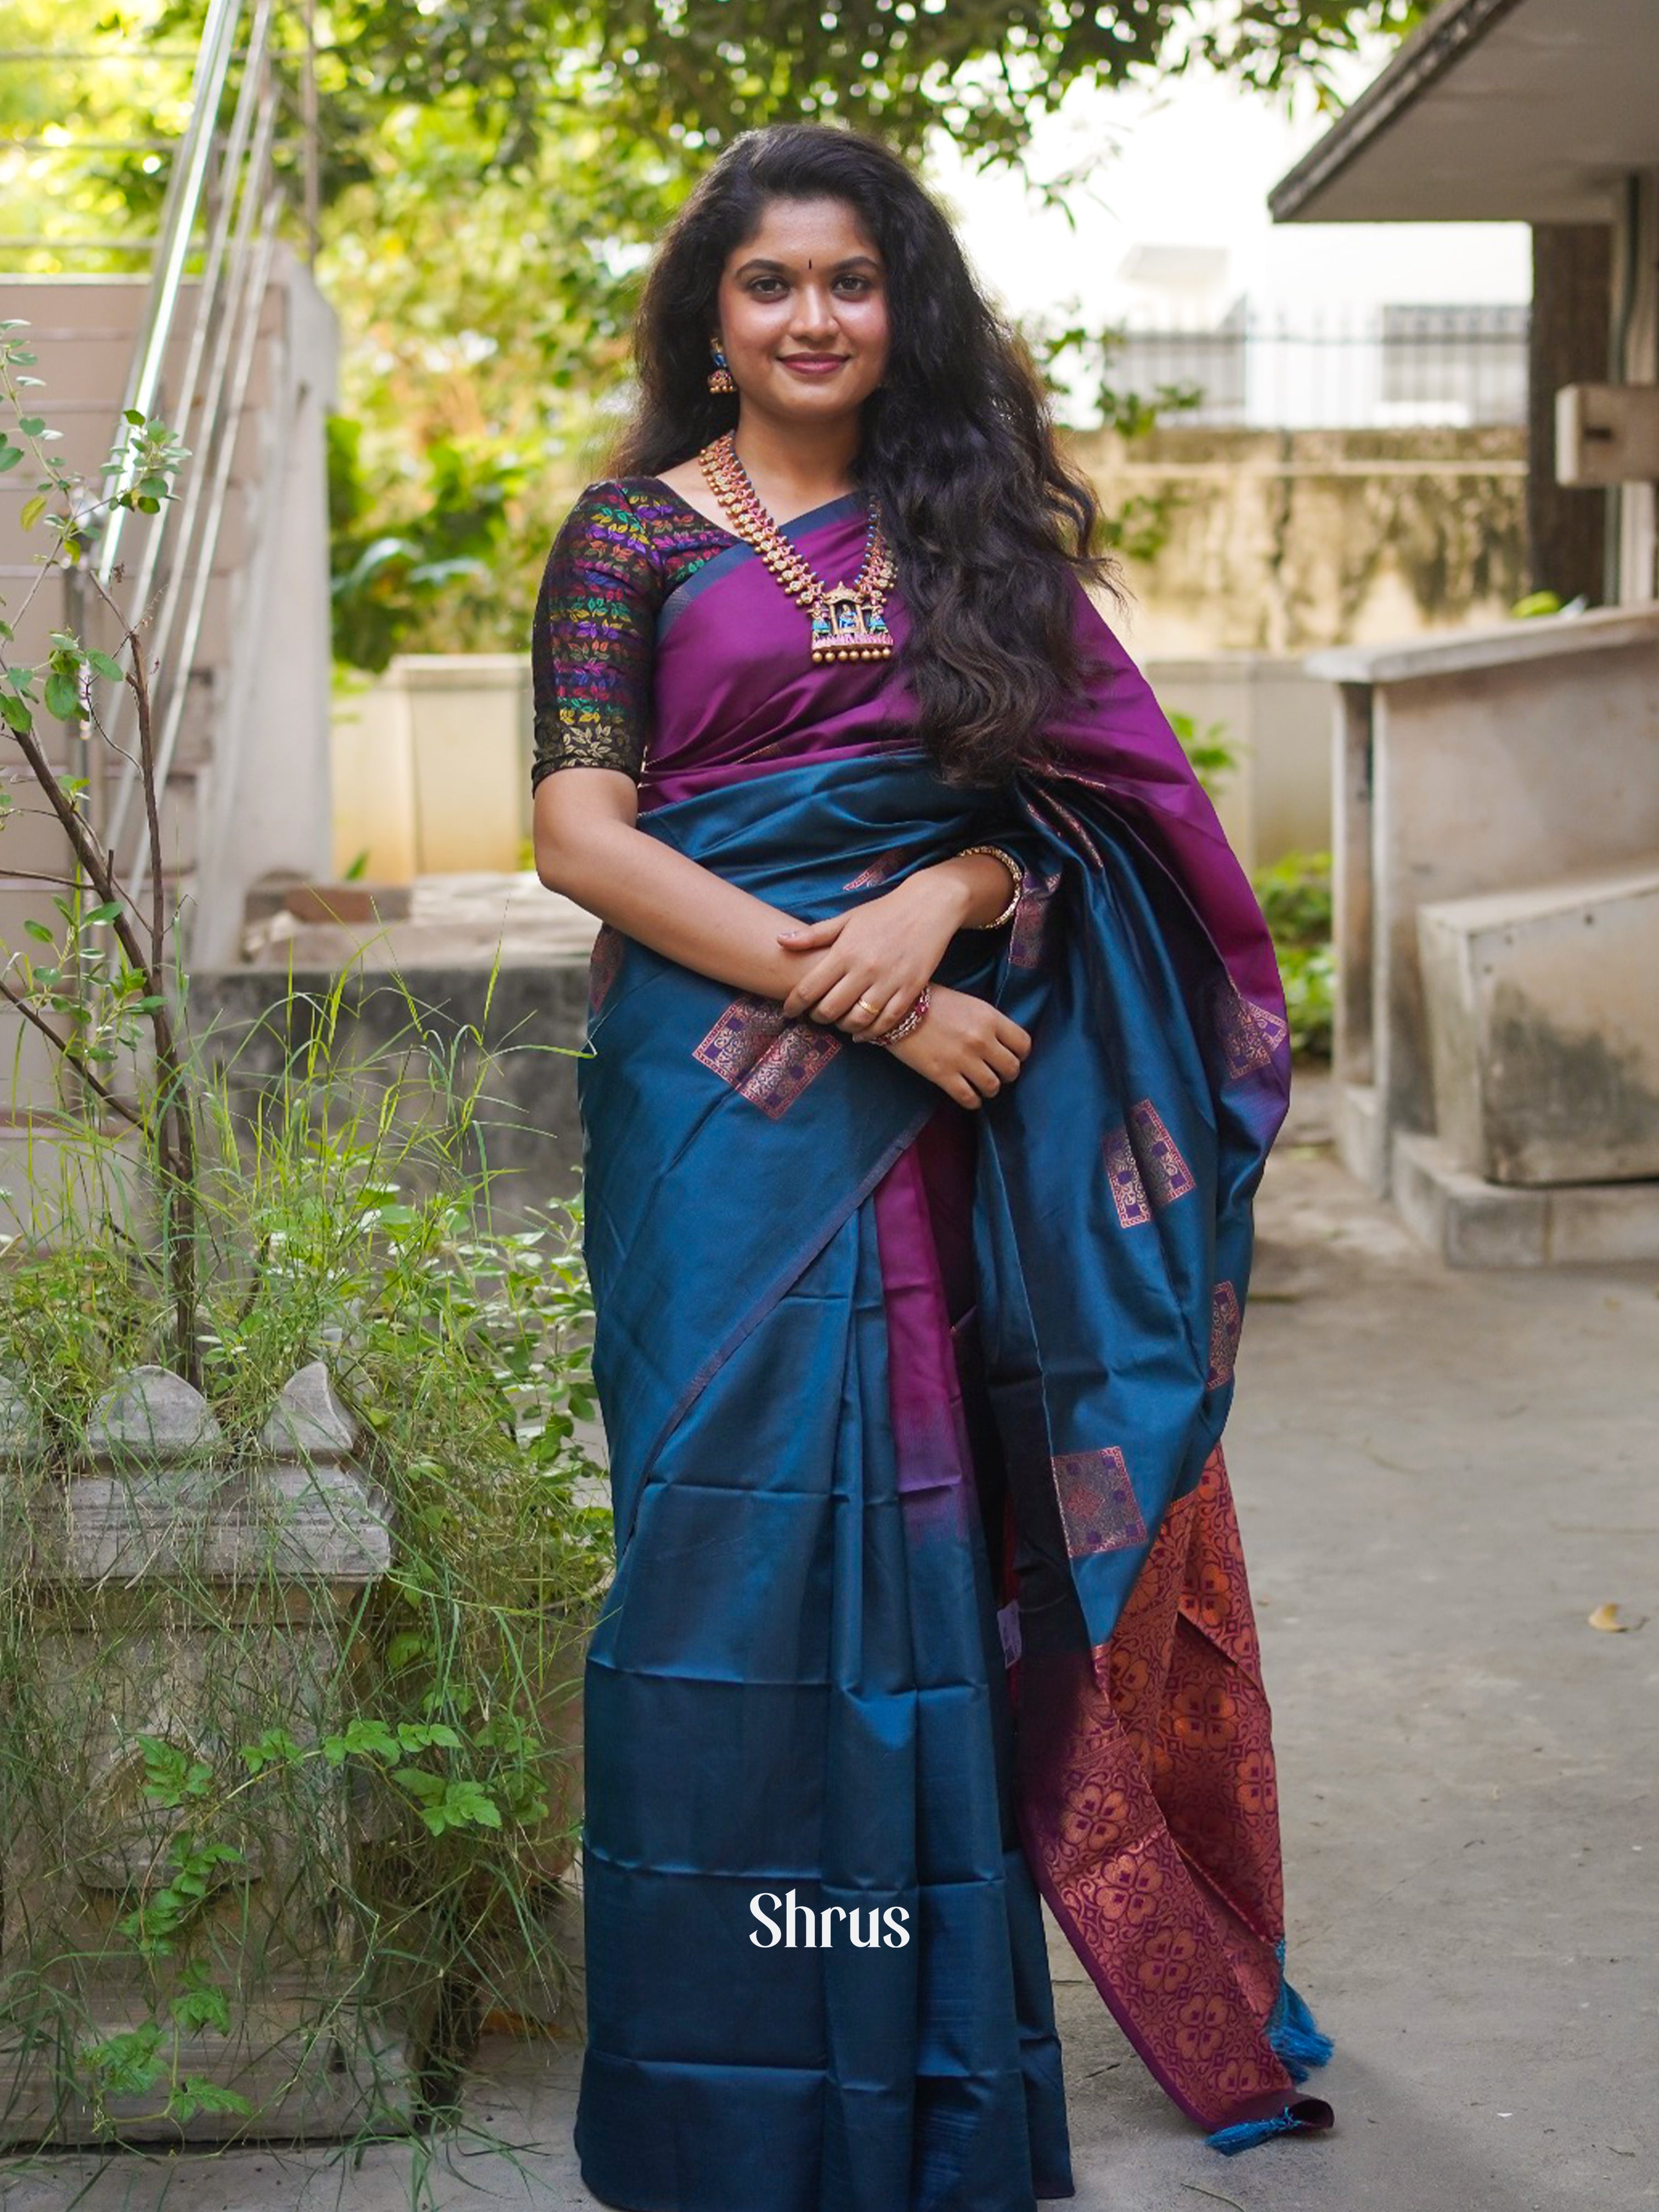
x: 814, y: 1622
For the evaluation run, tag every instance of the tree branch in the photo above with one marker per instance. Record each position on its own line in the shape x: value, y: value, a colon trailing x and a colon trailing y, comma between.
x: 67, y: 1051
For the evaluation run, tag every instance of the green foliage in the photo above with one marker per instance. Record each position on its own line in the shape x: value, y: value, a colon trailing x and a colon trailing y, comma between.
x: 1296, y: 898
x: 662, y: 72
x: 139, y: 476
x: 493, y: 179
x: 346, y: 1214
x: 1295, y: 894
x: 405, y: 555
x: 51, y: 190
x: 221, y: 1772
x: 105, y: 983
x: 487, y: 312
x: 1213, y: 760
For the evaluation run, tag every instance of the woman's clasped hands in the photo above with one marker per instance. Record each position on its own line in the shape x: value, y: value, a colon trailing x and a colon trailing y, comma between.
x: 864, y: 967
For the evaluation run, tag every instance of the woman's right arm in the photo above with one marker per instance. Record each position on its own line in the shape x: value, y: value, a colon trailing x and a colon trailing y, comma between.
x: 591, y: 656
x: 587, y: 846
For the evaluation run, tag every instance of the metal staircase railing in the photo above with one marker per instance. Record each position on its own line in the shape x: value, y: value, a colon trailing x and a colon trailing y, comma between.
x: 193, y: 363
x: 238, y: 199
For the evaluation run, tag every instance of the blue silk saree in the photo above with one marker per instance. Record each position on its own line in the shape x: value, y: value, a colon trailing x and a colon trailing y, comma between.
x: 929, y: 1599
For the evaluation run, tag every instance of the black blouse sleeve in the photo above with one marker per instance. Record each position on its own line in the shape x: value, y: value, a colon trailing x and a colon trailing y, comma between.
x: 591, y: 653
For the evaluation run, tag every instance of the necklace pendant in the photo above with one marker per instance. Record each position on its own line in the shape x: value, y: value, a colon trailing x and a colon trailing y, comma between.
x: 846, y: 619
x: 847, y: 628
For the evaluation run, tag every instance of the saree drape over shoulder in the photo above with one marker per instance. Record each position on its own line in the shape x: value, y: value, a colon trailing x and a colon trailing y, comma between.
x: 929, y: 1591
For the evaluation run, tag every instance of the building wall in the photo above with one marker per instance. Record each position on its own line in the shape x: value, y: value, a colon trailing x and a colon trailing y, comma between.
x: 1281, y: 541
x: 431, y: 773
x: 1636, y: 361
x: 431, y: 767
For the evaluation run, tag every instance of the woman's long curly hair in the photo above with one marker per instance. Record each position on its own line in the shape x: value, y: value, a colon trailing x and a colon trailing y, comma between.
x: 990, y: 528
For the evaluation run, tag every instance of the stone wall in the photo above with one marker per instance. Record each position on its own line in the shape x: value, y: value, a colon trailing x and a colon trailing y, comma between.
x: 1280, y: 541
x: 182, y: 1602
x: 527, y: 1022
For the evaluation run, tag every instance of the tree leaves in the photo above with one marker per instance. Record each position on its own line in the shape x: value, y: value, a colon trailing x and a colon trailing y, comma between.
x: 63, y: 696
x: 692, y: 78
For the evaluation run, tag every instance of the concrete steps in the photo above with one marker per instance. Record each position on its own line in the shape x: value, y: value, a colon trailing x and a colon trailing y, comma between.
x: 84, y: 330
x: 445, y: 921
x: 1472, y: 1223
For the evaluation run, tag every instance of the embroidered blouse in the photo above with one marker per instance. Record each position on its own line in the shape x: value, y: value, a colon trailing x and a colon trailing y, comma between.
x: 625, y: 545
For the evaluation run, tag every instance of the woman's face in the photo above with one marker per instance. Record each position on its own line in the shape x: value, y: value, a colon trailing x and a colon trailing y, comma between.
x: 803, y: 312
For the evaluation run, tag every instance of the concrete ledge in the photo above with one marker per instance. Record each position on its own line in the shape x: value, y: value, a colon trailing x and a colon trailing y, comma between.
x: 1474, y: 1224
x: 1359, y: 1144
x: 1547, y: 637
x: 1543, y: 1028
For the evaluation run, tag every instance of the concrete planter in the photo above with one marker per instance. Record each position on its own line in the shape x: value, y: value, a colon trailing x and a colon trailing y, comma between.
x: 431, y: 766
x: 271, y: 1561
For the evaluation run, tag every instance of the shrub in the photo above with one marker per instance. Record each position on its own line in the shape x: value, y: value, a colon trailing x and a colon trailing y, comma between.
x: 1296, y: 897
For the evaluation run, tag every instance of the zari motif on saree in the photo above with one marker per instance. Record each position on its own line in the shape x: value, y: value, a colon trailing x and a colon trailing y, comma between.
x: 1098, y: 1508
x: 1226, y: 1321
x: 1163, y: 1172
x: 885, y: 864
x: 1144, y: 1166
x: 1047, y: 801
x: 1128, y: 1193
x: 766, y: 1058
x: 1028, y: 933
x: 1249, y: 1035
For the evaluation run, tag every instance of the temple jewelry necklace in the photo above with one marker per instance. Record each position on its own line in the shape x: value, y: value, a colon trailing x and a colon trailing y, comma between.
x: 847, y: 623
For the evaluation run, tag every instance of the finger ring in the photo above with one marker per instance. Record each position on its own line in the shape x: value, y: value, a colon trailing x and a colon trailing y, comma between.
x: 866, y: 1005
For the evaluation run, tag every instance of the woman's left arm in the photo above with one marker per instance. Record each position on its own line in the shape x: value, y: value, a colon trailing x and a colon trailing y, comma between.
x: 875, y: 957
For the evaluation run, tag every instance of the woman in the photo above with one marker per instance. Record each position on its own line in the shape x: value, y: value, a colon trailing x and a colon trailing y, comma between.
x: 937, y: 1044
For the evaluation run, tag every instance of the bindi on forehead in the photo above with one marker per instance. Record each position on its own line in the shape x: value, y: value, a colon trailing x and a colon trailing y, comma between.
x: 782, y: 265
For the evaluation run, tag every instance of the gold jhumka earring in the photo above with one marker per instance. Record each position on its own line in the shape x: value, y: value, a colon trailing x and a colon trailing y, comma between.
x: 720, y: 377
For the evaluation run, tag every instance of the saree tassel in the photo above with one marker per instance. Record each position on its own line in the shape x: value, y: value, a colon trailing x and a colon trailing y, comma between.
x: 1293, y: 2032
x: 1247, y: 2133
x: 1298, y: 2039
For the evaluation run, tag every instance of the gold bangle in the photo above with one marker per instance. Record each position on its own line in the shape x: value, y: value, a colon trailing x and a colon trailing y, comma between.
x: 1017, y: 875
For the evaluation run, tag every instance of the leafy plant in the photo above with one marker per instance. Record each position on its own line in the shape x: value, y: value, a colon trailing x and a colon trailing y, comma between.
x: 1213, y: 760
x: 1295, y: 894
x: 492, y: 180
x: 403, y: 554
x: 341, y: 1219
x: 682, y: 78
x: 104, y: 979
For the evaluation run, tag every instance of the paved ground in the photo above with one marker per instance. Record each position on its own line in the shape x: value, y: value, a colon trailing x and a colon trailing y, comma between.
x: 1441, y: 1477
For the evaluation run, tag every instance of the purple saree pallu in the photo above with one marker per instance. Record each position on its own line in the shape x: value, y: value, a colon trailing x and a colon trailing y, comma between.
x: 929, y: 1603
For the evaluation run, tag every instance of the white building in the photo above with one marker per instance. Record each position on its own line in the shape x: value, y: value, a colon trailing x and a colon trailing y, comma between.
x: 1497, y: 819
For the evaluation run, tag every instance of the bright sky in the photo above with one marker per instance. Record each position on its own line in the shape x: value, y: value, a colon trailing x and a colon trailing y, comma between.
x: 1191, y: 165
